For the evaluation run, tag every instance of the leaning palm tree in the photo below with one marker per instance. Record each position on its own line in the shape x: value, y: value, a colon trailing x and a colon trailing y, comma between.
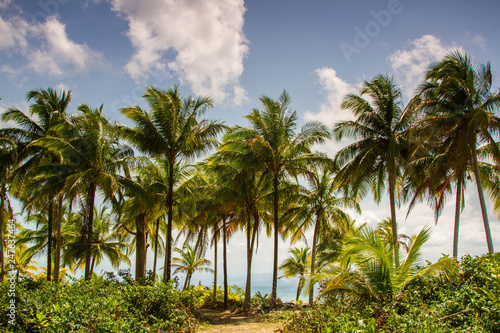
x: 367, y: 271
x: 379, y: 156
x: 273, y: 139
x: 297, y: 265
x: 319, y: 206
x: 189, y: 262
x: 172, y: 130
x: 461, y: 115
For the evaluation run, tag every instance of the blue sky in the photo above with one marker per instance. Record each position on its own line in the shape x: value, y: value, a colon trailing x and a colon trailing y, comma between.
x: 108, y: 51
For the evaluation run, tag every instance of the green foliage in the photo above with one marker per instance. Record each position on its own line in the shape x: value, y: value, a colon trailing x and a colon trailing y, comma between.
x: 99, y: 305
x: 469, y: 304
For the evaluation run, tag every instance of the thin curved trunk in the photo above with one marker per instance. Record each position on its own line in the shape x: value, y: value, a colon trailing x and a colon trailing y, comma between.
x: 224, y: 264
x: 92, y: 266
x: 90, y: 222
x: 140, y: 250
x: 313, y: 259
x: 187, y: 281
x: 157, y: 229
x: 393, y: 219
x: 50, y: 238
x: 248, y: 285
x: 170, y: 205
x: 299, y: 288
x: 214, y: 297
x: 57, y: 256
x: 3, y: 193
x: 458, y: 208
x: 480, y: 192
x: 276, y: 230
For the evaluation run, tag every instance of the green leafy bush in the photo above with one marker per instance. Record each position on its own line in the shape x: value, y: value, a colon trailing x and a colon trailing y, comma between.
x: 470, y: 304
x: 98, y: 306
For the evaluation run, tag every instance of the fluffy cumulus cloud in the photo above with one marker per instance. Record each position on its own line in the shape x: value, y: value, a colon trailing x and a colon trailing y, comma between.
x: 411, y: 63
x: 46, y: 47
x: 201, y: 41
x: 335, y: 89
x: 13, y: 34
x: 59, y: 53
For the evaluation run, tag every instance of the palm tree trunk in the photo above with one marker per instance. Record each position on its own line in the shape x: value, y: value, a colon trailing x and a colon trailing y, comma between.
x: 248, y: 285
x: 50, y: 238
x: 92, y: 265
x: 313, y: 259
x: 224, y: 263
x: 480, y: 192
x: 458, y: 208
x: 170, y: 205
x: 299, y: 289
x: 57, y: 256
x: 3, y: 193
x: 157, y: 229
x: 90, y: 222
x: 394, y: 223
x: 186, y: 282
x: 276, y: 230
x: 140, y: 251
x: 215, y: 264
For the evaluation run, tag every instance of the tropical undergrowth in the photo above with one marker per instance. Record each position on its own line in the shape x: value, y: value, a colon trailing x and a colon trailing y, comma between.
x: 100, y: 305
x: 470, y: 303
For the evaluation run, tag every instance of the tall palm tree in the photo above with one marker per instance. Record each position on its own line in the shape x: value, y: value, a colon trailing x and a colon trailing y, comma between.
x: 189, y: 262
x: 172, y: 130
x: 47, y: 110
x: 92, y: 157
x: 297, y: 264
x: 242, y: 188
x: 461, y: 115
x: 379, y: 156
x: 319, y: 207
x: 273, y: 139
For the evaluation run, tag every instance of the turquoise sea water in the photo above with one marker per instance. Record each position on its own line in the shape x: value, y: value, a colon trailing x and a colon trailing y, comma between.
x: 287, y: 288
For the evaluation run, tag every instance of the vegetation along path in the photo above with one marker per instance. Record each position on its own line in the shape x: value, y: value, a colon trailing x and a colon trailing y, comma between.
x: 227, y: 321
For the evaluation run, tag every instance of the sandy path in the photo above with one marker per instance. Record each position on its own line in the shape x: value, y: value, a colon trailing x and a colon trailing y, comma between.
x: 225, y: 321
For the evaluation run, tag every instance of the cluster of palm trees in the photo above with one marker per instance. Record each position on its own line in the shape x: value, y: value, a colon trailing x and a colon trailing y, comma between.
x: 174, y: 169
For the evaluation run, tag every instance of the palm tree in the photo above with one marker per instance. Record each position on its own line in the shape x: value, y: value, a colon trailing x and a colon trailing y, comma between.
x: 189, y: 262
x: 319, y: 207
x: 282, y: 151
x: 8, y: 159
x: 367, y: 271
x: 92, y: 157
x: 172, y: 130
x: 105, y: 242
x: 297, y: 264
x: 460, y: 116
x: 241, y: 188
x: 138, y: 212
x: 381, y: 152
x: 47, y: 110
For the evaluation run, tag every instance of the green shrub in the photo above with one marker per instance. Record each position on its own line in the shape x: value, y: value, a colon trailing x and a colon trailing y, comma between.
x: 100, y: 305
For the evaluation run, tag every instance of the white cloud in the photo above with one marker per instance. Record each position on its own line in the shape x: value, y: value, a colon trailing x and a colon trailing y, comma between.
x: 46, y: 46
x: 13, y: 34
x: 330, y: 112
x: 480, y: 40
x: 410, y: 64
x: 59, y: 53
x: 206, y: 36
